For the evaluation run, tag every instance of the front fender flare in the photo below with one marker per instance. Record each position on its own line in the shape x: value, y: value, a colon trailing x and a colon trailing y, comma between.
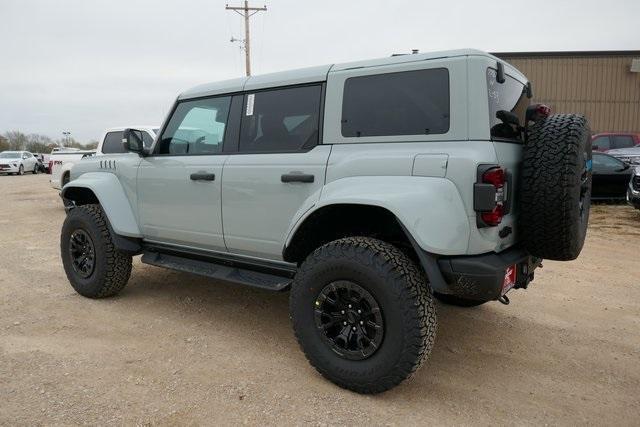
x: 112, y: 198
x: 429, y: 208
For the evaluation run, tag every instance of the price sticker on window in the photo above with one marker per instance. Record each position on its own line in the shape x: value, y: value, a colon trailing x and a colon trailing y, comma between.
x: 250, y: 100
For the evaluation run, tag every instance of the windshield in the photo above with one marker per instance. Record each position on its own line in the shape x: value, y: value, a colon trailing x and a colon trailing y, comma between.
x: 509, y: 96
x: 10, y: 155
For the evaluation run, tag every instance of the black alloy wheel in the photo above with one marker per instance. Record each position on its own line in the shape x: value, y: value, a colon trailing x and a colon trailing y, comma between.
x: 349, y: 319
x: 82, y: 252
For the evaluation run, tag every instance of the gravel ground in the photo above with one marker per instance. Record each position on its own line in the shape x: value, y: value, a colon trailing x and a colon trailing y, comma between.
x: 174, y: 348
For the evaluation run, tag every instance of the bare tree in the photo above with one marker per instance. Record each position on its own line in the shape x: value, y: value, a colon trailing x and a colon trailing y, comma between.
x: 4, y: 143
x: 91, y: 145
x: 17, y: 140
x: 37, y: 143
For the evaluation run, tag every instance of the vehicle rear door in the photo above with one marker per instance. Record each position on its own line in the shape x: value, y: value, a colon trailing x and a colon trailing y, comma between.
x: 179, y: 184
x: 278, y: 166
x: 29, y: 161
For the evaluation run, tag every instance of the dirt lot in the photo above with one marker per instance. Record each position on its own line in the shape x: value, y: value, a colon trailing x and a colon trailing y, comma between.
x: 179, y: 349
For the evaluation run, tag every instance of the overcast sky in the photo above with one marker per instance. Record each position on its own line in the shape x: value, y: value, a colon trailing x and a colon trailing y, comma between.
x: 85, y: 65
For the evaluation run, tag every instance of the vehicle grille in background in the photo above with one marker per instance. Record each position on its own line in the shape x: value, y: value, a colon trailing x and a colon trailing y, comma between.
x: 636, y: 182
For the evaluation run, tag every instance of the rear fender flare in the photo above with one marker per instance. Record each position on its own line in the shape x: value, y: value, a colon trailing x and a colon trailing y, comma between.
x: 429, y: 209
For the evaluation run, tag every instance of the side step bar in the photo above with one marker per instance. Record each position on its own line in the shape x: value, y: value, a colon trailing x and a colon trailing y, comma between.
x: 227, y: 273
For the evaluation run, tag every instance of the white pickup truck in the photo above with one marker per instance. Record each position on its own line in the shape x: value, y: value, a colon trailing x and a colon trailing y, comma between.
x: 62, y: 160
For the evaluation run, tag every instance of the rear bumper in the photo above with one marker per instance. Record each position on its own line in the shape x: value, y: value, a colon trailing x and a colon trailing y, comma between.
x: 481, y: 277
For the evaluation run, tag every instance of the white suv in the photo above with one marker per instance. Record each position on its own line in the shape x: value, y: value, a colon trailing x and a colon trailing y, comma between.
x: 365, y: 188
x: 18, y: 162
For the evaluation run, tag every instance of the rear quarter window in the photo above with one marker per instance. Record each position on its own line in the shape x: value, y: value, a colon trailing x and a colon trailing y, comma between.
x: 402, y: 103
x: 509, y: 96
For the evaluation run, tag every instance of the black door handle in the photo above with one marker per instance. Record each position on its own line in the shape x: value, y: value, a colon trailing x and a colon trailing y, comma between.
x: 203, y: 176
x: 296, y: 177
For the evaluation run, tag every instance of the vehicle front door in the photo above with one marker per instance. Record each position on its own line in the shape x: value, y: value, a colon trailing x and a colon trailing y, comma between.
x: 279, y: 166
x: 610, y: 177
x: 179, y: 184
x: 601, y: 143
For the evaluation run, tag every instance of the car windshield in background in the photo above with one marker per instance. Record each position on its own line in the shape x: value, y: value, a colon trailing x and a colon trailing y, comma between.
x: 10, y: 155
x: 509, y: 96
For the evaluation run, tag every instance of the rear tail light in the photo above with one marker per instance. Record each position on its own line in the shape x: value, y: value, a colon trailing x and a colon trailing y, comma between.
x: 543, y: 110
x: 494, y: 217
x: 537, y: 112
x: 509, y: 278
x: 497, y: 177
x: 50, y: 165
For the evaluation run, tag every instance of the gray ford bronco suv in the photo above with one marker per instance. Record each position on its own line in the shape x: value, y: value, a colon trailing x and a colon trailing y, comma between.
x: 367, y: 189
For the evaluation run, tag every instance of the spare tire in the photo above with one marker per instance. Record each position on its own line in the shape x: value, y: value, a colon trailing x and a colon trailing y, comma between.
x: 555, y: 187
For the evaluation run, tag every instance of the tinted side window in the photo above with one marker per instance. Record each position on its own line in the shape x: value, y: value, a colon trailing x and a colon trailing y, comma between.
x: 196, y: 127
x: 404, y: 103
x: 622, y: 141
x: 602, y: 142
x: 602, y: 162
x: 113, y: 143
x: 281, y: 120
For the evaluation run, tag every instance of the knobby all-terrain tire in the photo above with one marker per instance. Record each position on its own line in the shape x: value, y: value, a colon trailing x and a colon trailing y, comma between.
x: 457, y: 301
x: 112, y: 267
x: 555, y: 192
x: 400, y: 288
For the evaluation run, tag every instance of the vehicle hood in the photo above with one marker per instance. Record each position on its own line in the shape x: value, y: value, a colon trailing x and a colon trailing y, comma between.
x: 633, y: 151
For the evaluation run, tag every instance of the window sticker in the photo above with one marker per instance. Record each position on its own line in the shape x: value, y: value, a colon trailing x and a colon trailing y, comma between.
x: 250, y: 100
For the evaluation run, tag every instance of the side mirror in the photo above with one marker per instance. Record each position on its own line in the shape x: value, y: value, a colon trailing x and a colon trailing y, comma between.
x: 132, y: 141
x: 623, y: 168
x: 594, y: 147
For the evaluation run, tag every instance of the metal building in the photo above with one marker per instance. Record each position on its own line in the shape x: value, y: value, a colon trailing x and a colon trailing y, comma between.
x: 603, y: 85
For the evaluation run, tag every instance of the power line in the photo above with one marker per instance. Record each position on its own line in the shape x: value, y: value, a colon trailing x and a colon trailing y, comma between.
x: 247, y: 12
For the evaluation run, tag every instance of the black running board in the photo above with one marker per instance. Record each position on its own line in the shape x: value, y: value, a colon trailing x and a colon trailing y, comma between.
x: 213, y: 270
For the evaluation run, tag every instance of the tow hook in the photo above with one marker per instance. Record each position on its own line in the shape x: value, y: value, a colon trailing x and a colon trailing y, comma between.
x: 504, y: 299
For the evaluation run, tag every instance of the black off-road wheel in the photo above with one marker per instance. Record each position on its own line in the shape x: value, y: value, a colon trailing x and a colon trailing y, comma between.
x: 555, y: 187
x: 94, y: 267
x: 363, y: 314
x: 457, y: 301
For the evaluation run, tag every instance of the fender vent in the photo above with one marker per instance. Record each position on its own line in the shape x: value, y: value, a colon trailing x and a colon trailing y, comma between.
x: 108, y: 164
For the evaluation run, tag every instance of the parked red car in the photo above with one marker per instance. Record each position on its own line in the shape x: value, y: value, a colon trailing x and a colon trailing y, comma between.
x: 611, y: 140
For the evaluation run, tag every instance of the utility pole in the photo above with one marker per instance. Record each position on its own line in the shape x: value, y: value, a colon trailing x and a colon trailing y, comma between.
x: 67, y: 135
x: 247, y: 12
